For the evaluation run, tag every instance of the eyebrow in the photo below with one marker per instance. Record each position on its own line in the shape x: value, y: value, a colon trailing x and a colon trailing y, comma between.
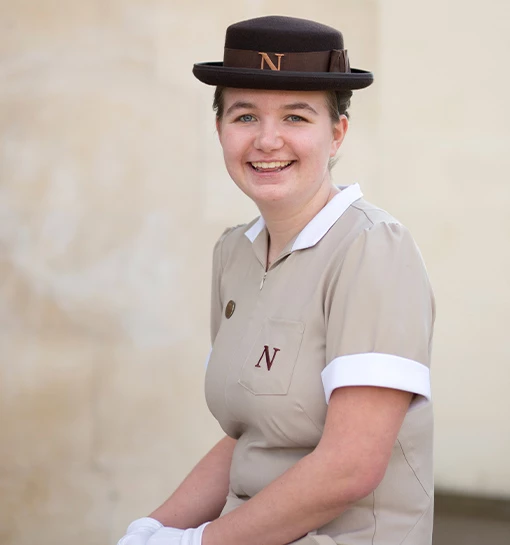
x: 240, y: 105
x: 300, y: 106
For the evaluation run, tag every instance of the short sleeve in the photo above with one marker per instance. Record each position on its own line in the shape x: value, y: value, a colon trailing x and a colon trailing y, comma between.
x: 380, y: 313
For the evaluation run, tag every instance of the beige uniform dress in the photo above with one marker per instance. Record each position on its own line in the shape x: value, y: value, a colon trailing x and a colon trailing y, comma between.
x: 348, y: 302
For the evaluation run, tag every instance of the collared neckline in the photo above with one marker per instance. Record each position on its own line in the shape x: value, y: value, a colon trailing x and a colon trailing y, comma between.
x: 320, y: 224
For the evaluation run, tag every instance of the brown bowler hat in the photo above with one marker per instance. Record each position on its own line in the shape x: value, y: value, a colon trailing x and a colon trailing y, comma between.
x: 283, y: 53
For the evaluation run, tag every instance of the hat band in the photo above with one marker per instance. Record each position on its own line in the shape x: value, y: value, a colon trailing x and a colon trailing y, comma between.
x: 335, y: 60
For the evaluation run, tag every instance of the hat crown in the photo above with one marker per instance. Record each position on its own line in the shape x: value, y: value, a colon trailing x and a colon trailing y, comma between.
x: 283, y: 53
x: 282, y: 34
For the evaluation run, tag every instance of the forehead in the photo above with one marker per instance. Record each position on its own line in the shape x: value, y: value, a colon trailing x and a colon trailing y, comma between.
x: 269, y: 99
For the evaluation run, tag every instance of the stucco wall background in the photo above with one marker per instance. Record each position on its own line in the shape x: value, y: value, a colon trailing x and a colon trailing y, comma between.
x: 113, y: 191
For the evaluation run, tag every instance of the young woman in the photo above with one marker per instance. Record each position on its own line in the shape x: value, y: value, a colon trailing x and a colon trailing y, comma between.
x: 321, y: 323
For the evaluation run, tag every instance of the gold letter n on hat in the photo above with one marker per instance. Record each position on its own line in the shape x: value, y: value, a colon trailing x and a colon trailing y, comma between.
x: 270, y: 63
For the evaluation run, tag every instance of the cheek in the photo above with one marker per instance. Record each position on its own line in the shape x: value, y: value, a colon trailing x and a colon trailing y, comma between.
x: 328, y: 146
x: 320, y: 153
x: 232, y: 146
x: 316, y: 145
x: 232, y: 156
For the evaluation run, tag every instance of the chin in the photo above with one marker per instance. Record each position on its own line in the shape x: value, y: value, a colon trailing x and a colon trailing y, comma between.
x: 267, y: 194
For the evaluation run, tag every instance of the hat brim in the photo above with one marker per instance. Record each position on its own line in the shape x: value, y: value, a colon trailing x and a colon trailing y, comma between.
x: 214, y: 73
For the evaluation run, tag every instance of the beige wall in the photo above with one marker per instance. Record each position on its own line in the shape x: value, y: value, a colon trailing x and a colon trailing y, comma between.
x: 444, y: 161
x: 112, y: 193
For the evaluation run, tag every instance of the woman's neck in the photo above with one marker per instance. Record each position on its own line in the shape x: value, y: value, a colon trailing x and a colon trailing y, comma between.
x: 283, y: 224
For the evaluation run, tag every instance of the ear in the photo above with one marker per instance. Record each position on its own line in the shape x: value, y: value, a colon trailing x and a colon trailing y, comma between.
x: 339, y: 132
x: 218, y: 128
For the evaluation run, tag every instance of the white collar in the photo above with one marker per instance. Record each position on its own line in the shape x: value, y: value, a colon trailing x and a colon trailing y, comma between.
x: 320, y: 224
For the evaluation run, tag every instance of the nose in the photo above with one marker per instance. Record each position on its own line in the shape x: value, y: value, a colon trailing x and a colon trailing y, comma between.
x: 268, y: 137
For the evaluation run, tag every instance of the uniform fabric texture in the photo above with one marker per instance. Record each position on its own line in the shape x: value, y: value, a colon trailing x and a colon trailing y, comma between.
x: 341, y: 293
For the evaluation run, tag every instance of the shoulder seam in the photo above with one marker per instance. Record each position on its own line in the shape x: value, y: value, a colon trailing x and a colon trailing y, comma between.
x: 393, y: 221
x: 228, y: 231
x: 366, y: 216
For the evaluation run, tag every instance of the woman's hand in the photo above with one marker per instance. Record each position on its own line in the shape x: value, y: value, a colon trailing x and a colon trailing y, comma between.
x: 174, y: 536
x: 139, y: 531
x: 149, y: 531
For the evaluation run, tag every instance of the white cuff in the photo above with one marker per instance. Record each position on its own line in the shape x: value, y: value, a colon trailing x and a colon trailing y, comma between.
x: 193, y: 536
x: 140, y: 531
x: 373, y: 369
x: 174, y: 536
x: 166, y: 536
x: 145, y: 524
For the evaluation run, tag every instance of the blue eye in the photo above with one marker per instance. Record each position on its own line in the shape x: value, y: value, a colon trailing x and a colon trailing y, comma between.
x: 246, y: 118
x: 295, y: 118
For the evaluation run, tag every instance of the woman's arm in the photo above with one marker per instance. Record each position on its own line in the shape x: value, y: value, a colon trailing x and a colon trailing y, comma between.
x: 361, y: 428
x: 202, y: 494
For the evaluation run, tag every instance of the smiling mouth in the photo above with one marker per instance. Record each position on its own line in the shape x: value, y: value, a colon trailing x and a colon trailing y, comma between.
x: 273, y: 166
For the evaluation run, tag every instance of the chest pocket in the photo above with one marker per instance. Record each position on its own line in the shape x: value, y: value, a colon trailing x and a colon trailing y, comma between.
x: 269, y: 367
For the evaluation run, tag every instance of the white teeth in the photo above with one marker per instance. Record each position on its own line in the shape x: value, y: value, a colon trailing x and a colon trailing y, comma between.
x: 272, y: 164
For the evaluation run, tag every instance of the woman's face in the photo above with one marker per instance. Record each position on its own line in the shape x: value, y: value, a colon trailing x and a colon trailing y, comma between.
x: 277, y: 144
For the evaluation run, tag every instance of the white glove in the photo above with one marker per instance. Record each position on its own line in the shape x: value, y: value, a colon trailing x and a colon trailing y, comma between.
x: 139, y: 531
x: 173, y: 536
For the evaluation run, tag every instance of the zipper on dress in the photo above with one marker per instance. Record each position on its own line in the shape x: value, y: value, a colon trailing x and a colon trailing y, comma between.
x: 263, y: 280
